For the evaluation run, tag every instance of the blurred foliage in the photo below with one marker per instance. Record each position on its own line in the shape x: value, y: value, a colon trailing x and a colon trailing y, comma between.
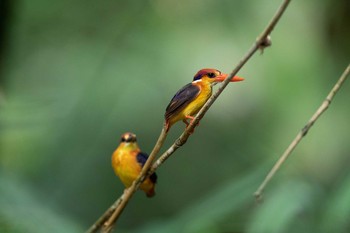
x: 77, y: 74
x: 22, y: 212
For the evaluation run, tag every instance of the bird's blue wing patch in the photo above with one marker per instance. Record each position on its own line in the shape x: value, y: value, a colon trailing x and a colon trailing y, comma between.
x: 141, y: 159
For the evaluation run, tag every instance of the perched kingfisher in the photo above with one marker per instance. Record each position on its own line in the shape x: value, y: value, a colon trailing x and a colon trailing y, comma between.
x: 127, y: 162
x: 187, y: 102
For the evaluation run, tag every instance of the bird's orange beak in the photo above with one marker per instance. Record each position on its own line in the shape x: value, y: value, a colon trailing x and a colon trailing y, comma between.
x: 222, y: 77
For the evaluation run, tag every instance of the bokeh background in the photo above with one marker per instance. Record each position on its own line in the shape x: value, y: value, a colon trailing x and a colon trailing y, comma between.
x: 76, y: 74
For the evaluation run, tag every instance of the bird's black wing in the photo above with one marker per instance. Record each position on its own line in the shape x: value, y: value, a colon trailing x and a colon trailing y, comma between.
x: 141, y: 159
x: 181, y: 99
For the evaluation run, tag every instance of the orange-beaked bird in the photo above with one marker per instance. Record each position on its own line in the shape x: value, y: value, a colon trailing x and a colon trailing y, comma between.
x: 187, y: 102
x: 127, y: 162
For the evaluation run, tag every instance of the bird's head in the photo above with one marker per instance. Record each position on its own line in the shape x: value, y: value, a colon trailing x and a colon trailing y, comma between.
x: 213, y: 76
x: 128, y: 138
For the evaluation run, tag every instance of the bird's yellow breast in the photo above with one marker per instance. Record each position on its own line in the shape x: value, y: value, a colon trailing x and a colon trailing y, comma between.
x: 204, y: 94
x: 125, y: 165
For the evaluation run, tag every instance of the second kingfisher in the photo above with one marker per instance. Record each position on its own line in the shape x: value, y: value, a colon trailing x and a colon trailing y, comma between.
x: 127, y: 162
x: 187, y: 102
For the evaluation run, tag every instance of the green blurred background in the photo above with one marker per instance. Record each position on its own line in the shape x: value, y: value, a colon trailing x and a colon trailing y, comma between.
x: 76, y: 74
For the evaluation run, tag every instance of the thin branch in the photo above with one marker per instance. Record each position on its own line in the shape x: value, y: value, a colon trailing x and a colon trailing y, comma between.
x: 105, y: 216
x: 324, y: 106
x: 262, y: 42
x: 113, y: 212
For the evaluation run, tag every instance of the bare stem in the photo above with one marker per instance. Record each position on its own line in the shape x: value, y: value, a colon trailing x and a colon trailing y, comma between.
x: 262, y: 42
x: 324, y: 106
x: 105, y: 216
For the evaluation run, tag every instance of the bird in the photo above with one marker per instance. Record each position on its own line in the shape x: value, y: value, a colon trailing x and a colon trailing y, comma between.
x: 187, y: 102
x: 127, y: 163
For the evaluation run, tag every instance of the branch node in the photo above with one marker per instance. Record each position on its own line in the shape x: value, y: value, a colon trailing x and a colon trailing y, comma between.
x: 263, y: 43
x: 305, y: 129
x: 180, y: 141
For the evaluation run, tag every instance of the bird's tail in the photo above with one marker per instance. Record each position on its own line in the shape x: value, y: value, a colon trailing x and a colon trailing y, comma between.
x: 151, y: 192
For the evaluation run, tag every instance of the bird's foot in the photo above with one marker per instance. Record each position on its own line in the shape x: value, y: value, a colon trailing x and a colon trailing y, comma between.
x: 167, y: 126
x: 187, y: 124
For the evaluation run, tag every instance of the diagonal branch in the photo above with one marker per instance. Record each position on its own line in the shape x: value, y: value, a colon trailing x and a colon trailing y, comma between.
x: 104, y: 217
x: 114, y: 211
x: 112, y: 214
x: 262, y: 42
x: 324, y: 106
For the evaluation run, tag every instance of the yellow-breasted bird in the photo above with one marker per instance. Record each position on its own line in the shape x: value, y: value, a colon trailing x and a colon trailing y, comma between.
x: 190, y: 99
x: 127, y: 162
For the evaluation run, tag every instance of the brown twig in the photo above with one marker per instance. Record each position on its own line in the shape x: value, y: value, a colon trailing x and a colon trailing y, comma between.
x: 105, y: 216
x: 108, y: 217
x: 324, y: 106
x: 262, y: 42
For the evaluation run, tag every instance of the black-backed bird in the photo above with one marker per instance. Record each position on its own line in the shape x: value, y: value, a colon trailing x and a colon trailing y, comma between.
x: 187, y: 102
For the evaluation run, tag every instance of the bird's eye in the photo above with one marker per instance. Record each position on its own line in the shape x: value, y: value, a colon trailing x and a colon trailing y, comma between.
x: 211, y: 75
x: 127, y: 139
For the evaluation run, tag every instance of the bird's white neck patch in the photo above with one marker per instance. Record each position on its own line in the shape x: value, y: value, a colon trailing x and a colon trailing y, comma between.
x: 197, y: 81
